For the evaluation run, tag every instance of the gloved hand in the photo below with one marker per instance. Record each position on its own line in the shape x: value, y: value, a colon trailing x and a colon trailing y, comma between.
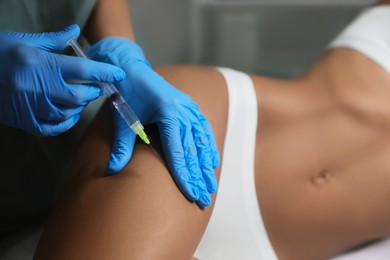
x: 186, y: 135
x: 33, y: 93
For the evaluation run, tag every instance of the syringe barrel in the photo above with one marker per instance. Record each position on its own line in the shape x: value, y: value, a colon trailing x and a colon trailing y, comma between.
x: 120, y: 104
x: 76, y: 47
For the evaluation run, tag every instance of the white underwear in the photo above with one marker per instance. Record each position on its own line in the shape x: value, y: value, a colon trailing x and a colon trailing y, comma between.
x: 369, y: 34
x: 236, y: 229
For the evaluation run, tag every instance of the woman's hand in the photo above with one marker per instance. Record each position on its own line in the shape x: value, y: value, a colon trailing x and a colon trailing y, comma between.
x: 186, y: 135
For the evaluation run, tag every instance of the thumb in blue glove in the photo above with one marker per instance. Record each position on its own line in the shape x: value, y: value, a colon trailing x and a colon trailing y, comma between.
x: 33, y: 93
x: 48, y: 41
x: 186, y: 135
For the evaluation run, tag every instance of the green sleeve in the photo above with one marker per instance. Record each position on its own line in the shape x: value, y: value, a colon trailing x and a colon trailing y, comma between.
x: 43, y: 15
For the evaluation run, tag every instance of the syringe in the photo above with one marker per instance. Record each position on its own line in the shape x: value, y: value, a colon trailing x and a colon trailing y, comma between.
x: 116, y: 98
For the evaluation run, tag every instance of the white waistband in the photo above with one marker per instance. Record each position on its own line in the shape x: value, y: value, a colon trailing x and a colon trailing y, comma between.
x: 369, y: 34
x: 236, y: 229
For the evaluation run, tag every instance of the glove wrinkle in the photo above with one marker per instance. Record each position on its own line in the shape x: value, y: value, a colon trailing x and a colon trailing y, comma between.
x: 186, y: 136
x: 33, y: 94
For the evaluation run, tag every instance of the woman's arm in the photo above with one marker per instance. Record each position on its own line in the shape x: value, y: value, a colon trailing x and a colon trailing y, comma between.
x: 109, y: 18
x: 140, y: 213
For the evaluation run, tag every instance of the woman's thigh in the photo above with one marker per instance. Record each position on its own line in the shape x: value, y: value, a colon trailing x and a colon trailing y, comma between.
x: 138, y: 213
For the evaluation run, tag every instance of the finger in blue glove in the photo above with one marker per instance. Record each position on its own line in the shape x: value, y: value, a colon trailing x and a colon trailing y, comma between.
x: 33, y: 93
x: 187, y: 138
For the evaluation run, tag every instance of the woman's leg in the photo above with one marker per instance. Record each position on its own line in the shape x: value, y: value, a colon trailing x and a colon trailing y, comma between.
x: 138, y: 213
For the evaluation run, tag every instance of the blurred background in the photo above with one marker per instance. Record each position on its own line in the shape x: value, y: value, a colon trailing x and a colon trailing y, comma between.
x: 270, y: 37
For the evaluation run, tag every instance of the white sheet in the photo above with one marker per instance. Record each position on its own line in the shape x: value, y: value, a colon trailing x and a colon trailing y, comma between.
x: 377, y: 251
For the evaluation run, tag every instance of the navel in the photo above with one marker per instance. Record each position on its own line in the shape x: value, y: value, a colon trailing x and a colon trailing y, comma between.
x: 321, y: 177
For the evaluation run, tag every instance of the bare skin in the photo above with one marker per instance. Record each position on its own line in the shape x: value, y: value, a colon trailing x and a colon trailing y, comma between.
x: 109, y: 18
x: 139, y: 213
x: 159, y: 204
x: 321, y: 171
x: 321, y: 166
x: 321, y: 160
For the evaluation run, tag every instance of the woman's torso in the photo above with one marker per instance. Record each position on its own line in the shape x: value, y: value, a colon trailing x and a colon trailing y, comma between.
x: 322, y: 172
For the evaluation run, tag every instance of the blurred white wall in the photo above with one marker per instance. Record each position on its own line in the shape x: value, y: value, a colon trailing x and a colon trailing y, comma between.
x: 162, y: 28
x: 272, y: 37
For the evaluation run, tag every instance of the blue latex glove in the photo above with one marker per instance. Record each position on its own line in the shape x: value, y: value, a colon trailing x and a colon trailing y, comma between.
x: 186, y: 135
x: 33, y: 94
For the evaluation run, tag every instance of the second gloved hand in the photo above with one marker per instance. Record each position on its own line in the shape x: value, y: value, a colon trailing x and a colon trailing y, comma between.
x: 186, y: 135
x: 33, y: 94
